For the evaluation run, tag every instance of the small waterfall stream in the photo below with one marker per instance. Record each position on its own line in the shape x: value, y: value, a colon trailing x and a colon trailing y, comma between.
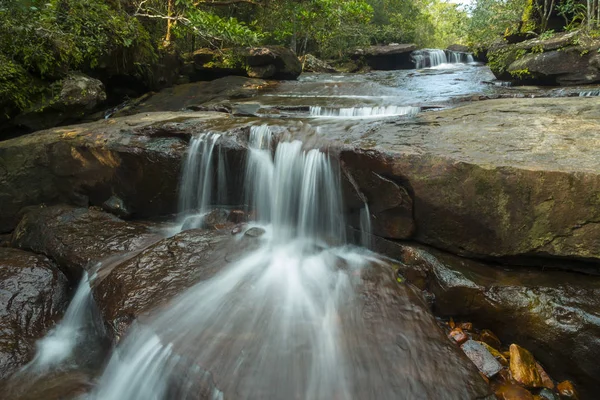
x: 429, y: 58
x: 246, y: 321
x: 363, y: 112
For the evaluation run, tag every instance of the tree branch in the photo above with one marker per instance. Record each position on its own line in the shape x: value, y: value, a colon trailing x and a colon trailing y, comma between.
x: 225, y: 3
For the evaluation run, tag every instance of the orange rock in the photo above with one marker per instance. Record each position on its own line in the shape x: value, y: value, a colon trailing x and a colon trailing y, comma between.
x: 488, y: 337
x: 513, y: 392
x: 451, y: 323
x: 458, y: 336
x: 567, y: 390
x: 523, y: 367
x: 546, y: 380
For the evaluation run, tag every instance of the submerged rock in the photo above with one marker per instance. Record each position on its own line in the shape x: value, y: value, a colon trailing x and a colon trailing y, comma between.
x: 33, y: 295
x: 553, y: 314
x: 77, y: 238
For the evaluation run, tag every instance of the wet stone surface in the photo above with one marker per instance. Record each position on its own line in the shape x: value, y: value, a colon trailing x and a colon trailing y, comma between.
x: 33, y: 295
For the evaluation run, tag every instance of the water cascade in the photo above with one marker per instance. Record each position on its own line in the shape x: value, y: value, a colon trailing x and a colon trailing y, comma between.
x: 365, y: 226
x: 428, y: 58
x: 589, y: 93
x: 363, y: 112
x: 196, y: 191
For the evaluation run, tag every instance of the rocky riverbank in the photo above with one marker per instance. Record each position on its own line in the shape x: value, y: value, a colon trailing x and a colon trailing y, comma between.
x: 508, y: 182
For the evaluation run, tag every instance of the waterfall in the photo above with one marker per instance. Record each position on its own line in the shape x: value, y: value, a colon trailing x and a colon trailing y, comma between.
x: 589, y: 93
x: 365, y: 227
x: 196, y: 191
x: 363, y: 112
x: 77, y: 325
x: 428, y: 58
x: 248, y: 321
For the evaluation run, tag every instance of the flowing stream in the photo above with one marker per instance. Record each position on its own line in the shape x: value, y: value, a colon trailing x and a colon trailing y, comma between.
x: 304, y: 315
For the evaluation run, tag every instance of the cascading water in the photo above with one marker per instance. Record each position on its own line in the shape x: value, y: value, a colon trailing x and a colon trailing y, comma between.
x: 589, y: 93
x: 363, y: 112
x: 428, y: 58
x: 197, y: 182
x: 365, y: 227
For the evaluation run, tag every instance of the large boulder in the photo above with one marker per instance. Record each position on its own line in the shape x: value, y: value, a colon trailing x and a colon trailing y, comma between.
x: 272, y: 62
x: 76, y: 96
x: 137, y: 159
x: 33, y: 295
x: 554, y: 314
x: 162, y: 271
x: 490, y: 179
x: 389, y: 57
x: 311, y: 63
x: 77, y: 238
x: 564, y: 59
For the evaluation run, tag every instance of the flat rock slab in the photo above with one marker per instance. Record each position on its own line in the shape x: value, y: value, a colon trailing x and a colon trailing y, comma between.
x: 495, y: 178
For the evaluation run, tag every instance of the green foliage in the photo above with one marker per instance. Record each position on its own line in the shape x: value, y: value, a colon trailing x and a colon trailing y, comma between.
x: 573, y: 12
x: 490, y: 19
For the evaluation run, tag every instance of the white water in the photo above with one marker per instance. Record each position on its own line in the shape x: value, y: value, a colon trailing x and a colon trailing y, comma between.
x: 196, y: 192
x: 430, y: 58
x: 363, y: 112
x: 270, y: 322
x: 58, y: 345
x: 589, y: 93
x: 365, y: 227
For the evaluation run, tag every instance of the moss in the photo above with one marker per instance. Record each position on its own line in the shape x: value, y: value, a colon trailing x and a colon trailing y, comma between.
x: 528, y: 20
x: 521, y: 73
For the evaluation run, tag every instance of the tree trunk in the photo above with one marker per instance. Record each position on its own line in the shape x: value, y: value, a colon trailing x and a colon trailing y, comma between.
x: 170, y: 22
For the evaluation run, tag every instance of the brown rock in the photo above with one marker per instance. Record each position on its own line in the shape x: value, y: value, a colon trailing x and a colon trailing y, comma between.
x: 513, y: 392
x: 490, y: 338
x: 546, y: 380
x: 77, y: 238
x: 523, y: 367
x: 160, y: 272
x: 541, y: 309
x: 482, y: 358
x: 466, y: 326
x: 458, y: 336
x: 567, y: 390
x: 33, y: 296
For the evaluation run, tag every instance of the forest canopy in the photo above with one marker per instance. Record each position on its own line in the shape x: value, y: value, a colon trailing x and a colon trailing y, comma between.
x: 42, y: 40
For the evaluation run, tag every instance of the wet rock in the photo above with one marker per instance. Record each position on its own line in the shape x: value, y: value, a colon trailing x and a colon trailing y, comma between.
x: 255, y: 232
x: 237, y: 216
x: 523, y: 367
x: 76, y: 96
x: 490, y: 338
x: 201, y: 96
x: 482, y: 358
x: 137, y: 159
x: 160, y: 272
x: 466, y: 326
x: 513, y: 392
x: 311, y: 63
x: 77, y: 238
x: 458, y: 336
x: 568, y: 58
x: 33, y: 296
x: 499, y: 356
x: 566, y: 389
x: 57, y: 385
x: 459, y: 47
x: 390, y: 57
x: 276, y: 62
x: 214, y: 219
x: 529, y: 192
x: 553, y: 314
x: 116, y: 206
x: 547, y: 394
x: 546, y: 380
